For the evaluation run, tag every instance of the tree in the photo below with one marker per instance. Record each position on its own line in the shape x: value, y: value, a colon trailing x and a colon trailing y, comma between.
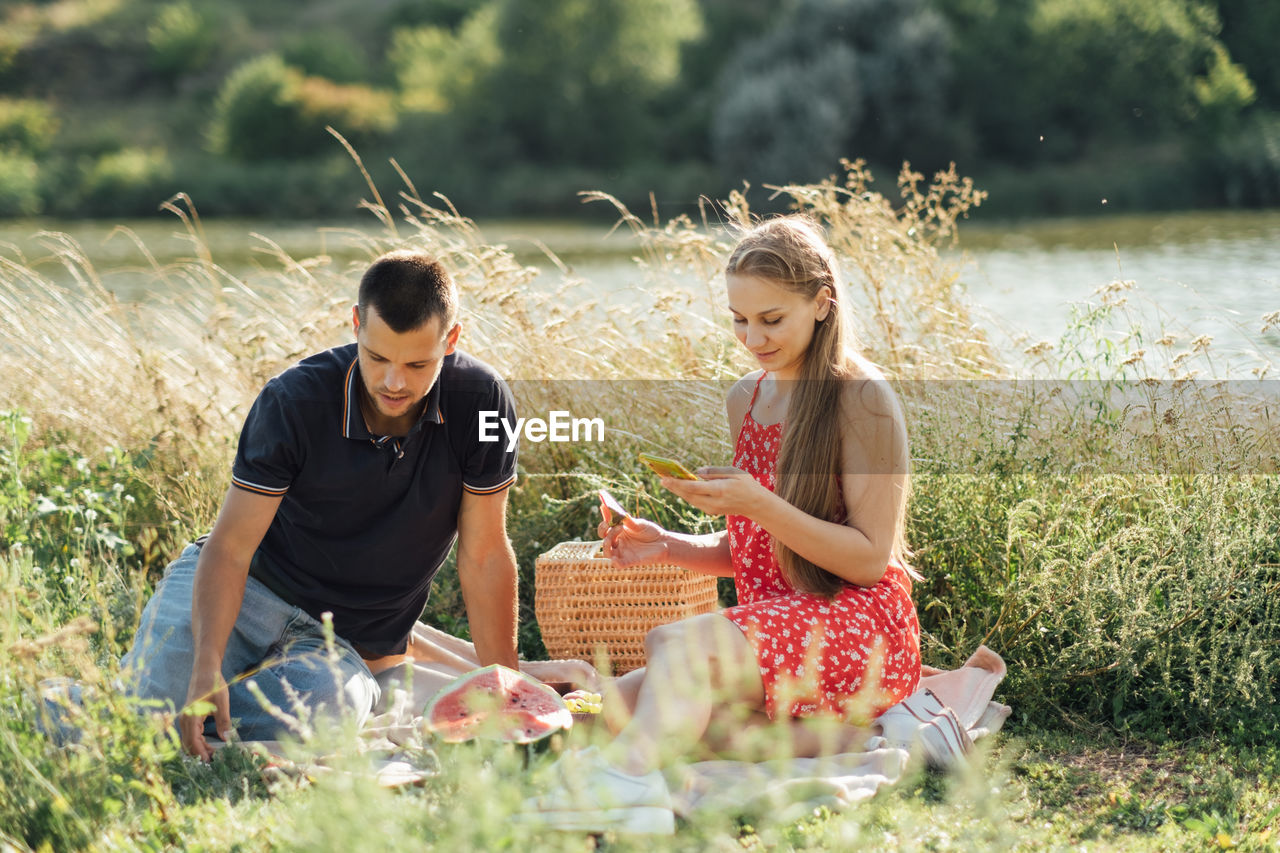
x: 1115, y: 67
x: 1044, y: 79
x: 1250, y: 30
x: 181, y: 40
x: 994, y: 61
x: 577, y: 77
x: 439, y: 68
x: 856, y: 78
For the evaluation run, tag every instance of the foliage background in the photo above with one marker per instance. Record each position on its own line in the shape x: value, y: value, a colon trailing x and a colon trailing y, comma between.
x: 108, y: 107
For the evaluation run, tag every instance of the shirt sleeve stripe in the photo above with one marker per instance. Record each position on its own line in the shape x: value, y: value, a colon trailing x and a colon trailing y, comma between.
x: 489, y: 490
x: 262, y: 490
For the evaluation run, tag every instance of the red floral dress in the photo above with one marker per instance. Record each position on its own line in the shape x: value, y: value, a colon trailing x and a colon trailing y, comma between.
x: 852, y: 655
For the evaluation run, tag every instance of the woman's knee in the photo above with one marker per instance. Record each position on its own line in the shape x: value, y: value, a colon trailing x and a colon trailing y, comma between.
x: 708, y: 647
x: 660, y: 637
x: 708, y: 634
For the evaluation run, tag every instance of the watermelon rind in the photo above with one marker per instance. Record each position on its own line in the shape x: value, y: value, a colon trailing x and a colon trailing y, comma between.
x: 498, y: 703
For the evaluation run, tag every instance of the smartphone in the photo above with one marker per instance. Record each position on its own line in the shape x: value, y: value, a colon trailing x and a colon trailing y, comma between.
x: 667, y: 467
x: 616, y: 512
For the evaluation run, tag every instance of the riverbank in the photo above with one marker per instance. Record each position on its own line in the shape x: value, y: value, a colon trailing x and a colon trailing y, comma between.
x: 1241, y: 175
x: 1193, y: 272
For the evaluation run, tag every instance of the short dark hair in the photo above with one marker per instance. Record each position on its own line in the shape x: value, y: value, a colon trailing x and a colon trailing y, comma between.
x: 407, y: 288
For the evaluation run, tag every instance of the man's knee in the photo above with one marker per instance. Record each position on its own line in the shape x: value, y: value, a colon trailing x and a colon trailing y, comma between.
x: 330, y: 685
x: 158, y: 662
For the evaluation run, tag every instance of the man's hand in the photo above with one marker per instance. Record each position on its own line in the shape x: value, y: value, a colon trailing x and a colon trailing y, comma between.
x: 215, y: 605
x: 206, y: 689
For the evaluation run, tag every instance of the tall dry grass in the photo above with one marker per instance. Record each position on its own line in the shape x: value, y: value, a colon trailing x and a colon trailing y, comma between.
x: 1116, y: 537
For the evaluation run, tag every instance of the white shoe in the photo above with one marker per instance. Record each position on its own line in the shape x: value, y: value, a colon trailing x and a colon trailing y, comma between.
x: 591, y: 795
x: 921, y: 723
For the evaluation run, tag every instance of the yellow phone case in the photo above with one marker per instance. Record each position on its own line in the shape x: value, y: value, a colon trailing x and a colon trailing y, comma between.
x: 667, y: 467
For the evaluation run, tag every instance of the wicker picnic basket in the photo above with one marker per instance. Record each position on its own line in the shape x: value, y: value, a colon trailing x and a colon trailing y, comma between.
x: 586, y: 606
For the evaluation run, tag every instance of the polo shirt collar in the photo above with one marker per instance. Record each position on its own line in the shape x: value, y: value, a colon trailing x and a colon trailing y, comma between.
x: 353, y: 425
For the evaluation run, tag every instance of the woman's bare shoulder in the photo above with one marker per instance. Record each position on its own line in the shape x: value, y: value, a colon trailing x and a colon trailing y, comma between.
x: 744, y: 387
x: 739, y: 400
x: 867, y: 391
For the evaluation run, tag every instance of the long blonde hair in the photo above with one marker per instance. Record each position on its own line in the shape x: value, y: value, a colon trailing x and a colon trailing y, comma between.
x: 791, y: 252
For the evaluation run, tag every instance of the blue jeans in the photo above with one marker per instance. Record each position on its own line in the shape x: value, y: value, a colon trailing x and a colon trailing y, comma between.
x: 286, y: 642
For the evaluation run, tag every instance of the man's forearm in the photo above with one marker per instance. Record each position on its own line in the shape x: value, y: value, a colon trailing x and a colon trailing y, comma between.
x: 489, y: 591
x: 215, y: 605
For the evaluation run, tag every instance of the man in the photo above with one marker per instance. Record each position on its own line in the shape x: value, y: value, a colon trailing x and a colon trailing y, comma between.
x: 356, y: 470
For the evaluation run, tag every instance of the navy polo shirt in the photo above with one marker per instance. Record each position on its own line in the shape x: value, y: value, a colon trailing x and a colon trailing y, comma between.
x: 365, y: 521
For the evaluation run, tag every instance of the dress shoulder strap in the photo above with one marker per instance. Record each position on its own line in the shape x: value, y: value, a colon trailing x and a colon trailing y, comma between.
x: 755, y: 391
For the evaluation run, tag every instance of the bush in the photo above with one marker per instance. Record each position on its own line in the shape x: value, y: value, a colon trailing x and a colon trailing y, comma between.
x: 1130, y: 178
x: 1129, y: 593
x: 326, y: 53
x: 19, y: 185
x: 55, y: 501
x: 256, y: 113
x: 27, y: 126
x: 181, y: 40
x: 130, y: 182
x: 1041, y: 81
x: 1248, y: 31
x: 315, y: 187
x: 267, y: 110
x: 357, y: 112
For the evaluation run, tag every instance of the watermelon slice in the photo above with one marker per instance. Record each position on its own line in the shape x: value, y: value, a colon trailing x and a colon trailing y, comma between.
x: 498, y: 703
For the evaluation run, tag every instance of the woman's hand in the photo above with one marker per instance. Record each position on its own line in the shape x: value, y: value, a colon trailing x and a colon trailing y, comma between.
x: 633, y: 541
x: 578, y: 674
x: 721, y: 491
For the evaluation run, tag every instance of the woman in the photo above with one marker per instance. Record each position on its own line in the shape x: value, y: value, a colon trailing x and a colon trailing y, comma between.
x: 815, y: 504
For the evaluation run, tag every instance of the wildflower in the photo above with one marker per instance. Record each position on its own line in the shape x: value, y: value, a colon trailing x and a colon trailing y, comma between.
x: 1136, y: 357
x: 1038, y: 349
x: 1269, y: 320
x: 1200, y: 343
x: 1116, y: 286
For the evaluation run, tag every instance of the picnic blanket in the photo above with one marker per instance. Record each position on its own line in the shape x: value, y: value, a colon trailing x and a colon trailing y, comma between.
x: 791, y: 788
x: 937, y: 725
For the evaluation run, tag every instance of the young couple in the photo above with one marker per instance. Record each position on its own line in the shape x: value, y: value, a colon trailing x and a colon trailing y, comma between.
x: 358, y: 467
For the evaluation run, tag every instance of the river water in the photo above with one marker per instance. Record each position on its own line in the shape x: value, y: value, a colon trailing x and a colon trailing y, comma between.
x: 1215, y: 274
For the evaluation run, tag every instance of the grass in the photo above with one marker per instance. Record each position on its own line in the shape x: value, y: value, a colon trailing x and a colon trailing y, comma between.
x: 1107, y: 521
